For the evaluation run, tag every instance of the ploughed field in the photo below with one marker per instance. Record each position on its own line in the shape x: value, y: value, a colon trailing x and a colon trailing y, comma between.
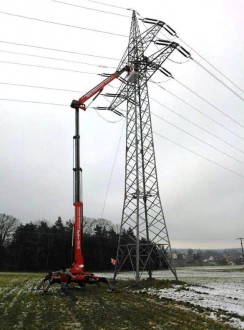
x: 156, y: 304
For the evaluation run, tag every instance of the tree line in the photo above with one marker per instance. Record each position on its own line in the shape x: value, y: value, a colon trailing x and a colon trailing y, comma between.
x: 40, y: 246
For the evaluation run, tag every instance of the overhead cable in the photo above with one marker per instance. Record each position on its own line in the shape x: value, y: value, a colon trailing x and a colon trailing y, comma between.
x: 162, y: 81
x: 208, y: 71
x: 198, y: 126
x: 210, y: 160
x: 56, y: 104
x: 170, y: 39
x: 93, y: 9
x: 56, y: 59
x: 195, y: 137
x: 63, y: 24
x: 47, y: 67
x: 35, y: 102
x: 209, y: 103
x: 219, y: 80
x: 203, y: 99
x: 214, y: 67
x: 212, y: 74
x: 105, y: 119
x: 177, y: 62
x: 58, y: 50
x: 160, y: 32
x: 217, y: 70
x: 112, y: 170
x: 202, y: 113
x: 39, y: 87
x: 108, y: 5
x: 64, y: 105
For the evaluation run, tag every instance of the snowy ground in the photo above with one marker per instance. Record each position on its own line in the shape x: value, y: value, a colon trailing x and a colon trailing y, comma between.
x: 218, y: 289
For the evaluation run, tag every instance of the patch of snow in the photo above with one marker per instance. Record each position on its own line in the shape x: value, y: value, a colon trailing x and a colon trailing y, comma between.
x: 216, y: 288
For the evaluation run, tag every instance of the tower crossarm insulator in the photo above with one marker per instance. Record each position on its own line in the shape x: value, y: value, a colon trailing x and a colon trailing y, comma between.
x: 173, y: 44
x: 160, y: 23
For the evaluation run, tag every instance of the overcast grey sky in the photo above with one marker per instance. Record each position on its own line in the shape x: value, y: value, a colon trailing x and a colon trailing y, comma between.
x: 203, y: 203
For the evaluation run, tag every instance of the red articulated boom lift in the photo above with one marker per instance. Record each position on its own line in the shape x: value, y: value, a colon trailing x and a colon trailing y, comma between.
x: 79, y: 276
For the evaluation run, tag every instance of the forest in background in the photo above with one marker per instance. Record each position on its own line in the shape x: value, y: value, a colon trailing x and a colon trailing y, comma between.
x: 39, y: 246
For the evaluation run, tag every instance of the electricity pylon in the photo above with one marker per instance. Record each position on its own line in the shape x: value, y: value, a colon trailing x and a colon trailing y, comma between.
x: 143, y: 241
x: 242, y: 250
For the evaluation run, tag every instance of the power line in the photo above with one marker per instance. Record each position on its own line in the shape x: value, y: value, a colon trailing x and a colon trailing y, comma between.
x: 107, y: 120
x: 221, y: 73
x: 65, y: 105
x: 204, y: 68
x: 58, y: 50
x: 204, y: 129
x: 170, y: 39
x: 219, y: 80
x: 35, y: 102
x: 211, y: 65
x: 40, y: 87
x: 62, y: 24
x: 176, y: 36
x: 160, y: 32
x: 209, y: 103
x: 208, y: 144
x: 177, y: 62
x: 108, y: 5
x: 226, y: 168
x: 47, y: 67
x: 202, y: 113
x: 56, y: 104
x: 204, y: 99
x: 93, y: 9
x: 162, y: 81
x: 56, y: 59
x: 112, y: 170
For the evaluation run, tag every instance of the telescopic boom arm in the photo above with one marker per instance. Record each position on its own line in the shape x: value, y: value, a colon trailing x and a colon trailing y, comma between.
x: 77, y: 269
x: 78, y: 261
x: 98, y: 89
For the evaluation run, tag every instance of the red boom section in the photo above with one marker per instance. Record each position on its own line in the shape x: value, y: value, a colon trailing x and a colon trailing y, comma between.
x: 78, y: 265
x: 98, y: 89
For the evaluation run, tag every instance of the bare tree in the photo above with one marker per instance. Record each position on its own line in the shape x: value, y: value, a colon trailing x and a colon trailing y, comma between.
x: 89, y: 225
x: 104, y: 223
x: 8, y: 225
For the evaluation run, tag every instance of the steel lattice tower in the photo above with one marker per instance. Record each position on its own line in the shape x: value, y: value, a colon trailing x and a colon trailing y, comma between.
x: 143, y: 240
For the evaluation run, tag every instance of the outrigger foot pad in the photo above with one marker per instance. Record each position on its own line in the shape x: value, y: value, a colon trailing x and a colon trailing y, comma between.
x: 105, y: 280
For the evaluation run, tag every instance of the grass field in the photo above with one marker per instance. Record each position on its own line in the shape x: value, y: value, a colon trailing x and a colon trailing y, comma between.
x: 93, y: 307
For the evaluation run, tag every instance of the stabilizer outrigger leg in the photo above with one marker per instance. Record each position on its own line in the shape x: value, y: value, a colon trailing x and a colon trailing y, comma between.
x: 106, y: 281
x: 81, y: 279
x: 48, y: 280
